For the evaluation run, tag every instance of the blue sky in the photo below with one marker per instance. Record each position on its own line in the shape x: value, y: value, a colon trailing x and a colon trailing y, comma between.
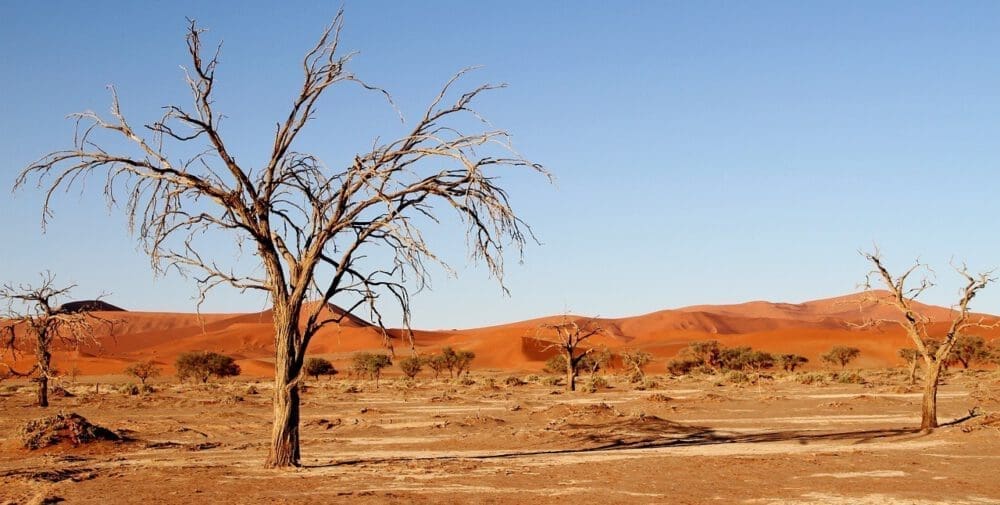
x: 705, y: 152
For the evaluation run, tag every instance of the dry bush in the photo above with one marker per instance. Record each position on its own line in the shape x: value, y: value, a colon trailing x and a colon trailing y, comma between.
x: 71, y: 428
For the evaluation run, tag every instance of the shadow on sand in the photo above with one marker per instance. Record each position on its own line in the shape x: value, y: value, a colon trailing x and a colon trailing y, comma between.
x: 651, y: 432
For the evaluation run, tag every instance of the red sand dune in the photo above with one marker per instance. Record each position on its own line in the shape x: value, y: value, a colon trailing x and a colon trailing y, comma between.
x: 809, y: 329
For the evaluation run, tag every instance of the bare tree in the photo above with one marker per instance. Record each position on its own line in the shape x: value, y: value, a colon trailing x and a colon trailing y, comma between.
x: 35, y: 322
x: 567, y: 336
x: 311, y: 227
x: 917, y: 325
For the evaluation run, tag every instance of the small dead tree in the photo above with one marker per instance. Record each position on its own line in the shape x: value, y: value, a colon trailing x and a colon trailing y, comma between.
x: 314, y: 228
x: 567, y: 336
x: 917, y: 325
x: 144, y: 370
x: 36, y: 323
x: 634, y: 360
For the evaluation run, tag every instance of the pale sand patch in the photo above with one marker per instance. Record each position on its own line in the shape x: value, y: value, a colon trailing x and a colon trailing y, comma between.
x: 817, y: 420
x: 871, y: 499
x: 390, y: 441
x: 878, y: 474
x: 881, y: 395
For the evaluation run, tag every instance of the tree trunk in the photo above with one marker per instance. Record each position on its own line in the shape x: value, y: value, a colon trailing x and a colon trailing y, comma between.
x: 284, y: 450
x: 570, y: 373
x: 44, y: 364
x: 928, y: 409
x: 913, y: 371
x: 43, y: 391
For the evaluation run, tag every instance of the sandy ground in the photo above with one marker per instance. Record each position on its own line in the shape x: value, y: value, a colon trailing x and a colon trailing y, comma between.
x: 684, y: 441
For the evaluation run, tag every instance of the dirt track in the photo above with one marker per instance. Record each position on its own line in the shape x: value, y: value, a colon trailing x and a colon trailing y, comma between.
x: 436, y: 442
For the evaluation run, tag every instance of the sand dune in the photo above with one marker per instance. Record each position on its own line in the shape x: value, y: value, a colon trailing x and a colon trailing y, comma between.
x: 809, y: 328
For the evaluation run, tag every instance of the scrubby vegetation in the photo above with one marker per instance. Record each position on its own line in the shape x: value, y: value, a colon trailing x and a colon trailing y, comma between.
x: 202, y: 365
x: 411, y: 366
x: 366, y: 364
x: 841, y: 355
x: 634, y: 362
x: 143, y: 371
x: 319, y: 366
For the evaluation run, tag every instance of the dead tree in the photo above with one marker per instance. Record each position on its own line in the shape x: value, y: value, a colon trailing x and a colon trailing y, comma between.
x: 917, y: 325
x: 35, y: 323
x: 313, y: 228
x: 567, y: 336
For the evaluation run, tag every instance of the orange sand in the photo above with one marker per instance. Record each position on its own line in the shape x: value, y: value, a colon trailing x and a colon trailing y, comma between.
x: 809, y: 329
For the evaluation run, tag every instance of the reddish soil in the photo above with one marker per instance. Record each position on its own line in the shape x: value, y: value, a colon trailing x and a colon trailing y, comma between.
x: 437, y: 441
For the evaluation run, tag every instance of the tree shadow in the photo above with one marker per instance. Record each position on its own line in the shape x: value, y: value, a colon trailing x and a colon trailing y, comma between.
x: 651, y: 432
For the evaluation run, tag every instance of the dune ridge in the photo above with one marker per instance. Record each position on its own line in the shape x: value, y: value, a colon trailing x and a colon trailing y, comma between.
x: 808, y: 328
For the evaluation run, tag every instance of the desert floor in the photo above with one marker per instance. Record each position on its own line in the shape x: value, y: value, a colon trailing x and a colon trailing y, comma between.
x: 679, y: 441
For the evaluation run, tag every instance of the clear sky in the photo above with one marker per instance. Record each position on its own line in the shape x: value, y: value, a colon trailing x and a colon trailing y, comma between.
x: 705, y: 152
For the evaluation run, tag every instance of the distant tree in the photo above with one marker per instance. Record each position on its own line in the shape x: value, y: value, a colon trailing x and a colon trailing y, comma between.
x: 34, y: 320
x: 202, y: 365
x: 596, y: 360
x: 683, y: 365
x: 634, y: 361
x: 436, y: 362
x: 567, y: 336
x: 969, y: 349
x: 144, y: 370
x: 912, y: 358
x: 319, y: 366
x: 456, y: 361
x: 411, y: 366
x: 916, y: 324
x: 841, y: 355
x: 789, y: 362
x: 705, y: 352
x: 370, y: 364
x: 463, y: 362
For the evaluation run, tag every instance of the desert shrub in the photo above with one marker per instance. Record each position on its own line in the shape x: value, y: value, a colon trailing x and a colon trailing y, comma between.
x: 351, y: 389
x: 634, y: 362
x: 849, y: 378
x: 370, y: 365
x: 129, y: 389
x: 645, y: 384
x: 811, y: 378
x: 596, y: 360
x: 745, y: 359
x: 319, y: 366
x: 513, y: 381
x: 968, y: 349
x: 411, y: 366
x: 552, y: 381
x: 71, y: 427
x: 436, y: 363
x: 490, y: 383
x: 841, y: 355
x: 457, y: 361
x: 202, y: 365
x: 143, y: 371
x: 737, y: 377
x: 466, y: 381
x: 555, y: 365
x: 595, y: 383
x: 60, y: 392
x: 251, y: 390
x: 683, y: 365
x: 789, y: 362
x: 532, y: 378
